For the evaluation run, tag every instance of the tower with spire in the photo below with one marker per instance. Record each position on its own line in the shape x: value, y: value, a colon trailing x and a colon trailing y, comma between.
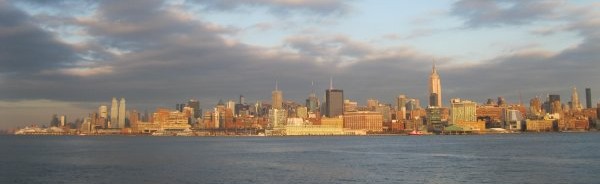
x: 277, y: 97
x: 435, y: 88
x: 334, y: 99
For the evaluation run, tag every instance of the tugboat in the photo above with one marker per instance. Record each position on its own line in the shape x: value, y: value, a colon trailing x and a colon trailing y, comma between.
x: 415, y: 132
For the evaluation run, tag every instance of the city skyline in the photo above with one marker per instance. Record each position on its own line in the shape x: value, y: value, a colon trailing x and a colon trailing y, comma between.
x: 71, y: 57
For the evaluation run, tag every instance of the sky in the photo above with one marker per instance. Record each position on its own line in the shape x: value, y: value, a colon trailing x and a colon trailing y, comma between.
x: 69, y: 57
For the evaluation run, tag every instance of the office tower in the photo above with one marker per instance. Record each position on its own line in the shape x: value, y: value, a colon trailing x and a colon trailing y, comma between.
x: 277, y: 117
x: 230, y: 105
x: 535, y: 106
x: 434, y: 118
x: 463, y: 111
x: 401, y: 107
x: 588, y: 98
x: 195, y: 104
x: 553, y: 98
x: 114, y: 113
x: 242, y: 100
x: 372, y: 103
x: 350, y: 106
x: 179, y: 107
x: 501, y: 101
x: 277, y: 98
x: 122, y: 113
x: 63, y: 120
x: 103, y: 111
x: 302, y: 112
x: 575, y: 103
x: 335, y: 101
x: 433, y: 100
x: 312, y: 103
x: 435, y: 86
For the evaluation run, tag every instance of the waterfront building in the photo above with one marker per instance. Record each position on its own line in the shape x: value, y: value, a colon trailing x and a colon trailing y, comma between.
x: 364, y: 120
x: 313, y: 130
x: 171, y: 121
x: 333, y: 122
x: 277, y: 98
x: 277, y: 117
x: 473, y: 126
x: 512, y: 119
x: 435, y: 88
x: 122, y: 111
x: 544, y: 125
x: 335, y: 101
x: 434, y: 118
x: 463, y: 110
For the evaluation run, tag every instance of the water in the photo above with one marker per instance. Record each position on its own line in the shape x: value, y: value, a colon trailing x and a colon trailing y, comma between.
x: 521, y: 158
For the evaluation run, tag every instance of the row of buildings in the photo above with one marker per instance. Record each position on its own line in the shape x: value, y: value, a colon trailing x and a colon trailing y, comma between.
x: 338, y: 115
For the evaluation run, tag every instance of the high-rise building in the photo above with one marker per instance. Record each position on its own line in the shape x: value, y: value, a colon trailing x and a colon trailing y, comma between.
x: 114, y: 113
x: 335, y: 101
x: 63, y: 120
x: 401, y: 107
x: 277, y: 117
x: 122, y: 113
x: 435, y: 86
x: 575, y: 103
x: 195, y: 104
x: 463, y: 111
x: 350, y: 106
x: 312, y: 103
x: 588, y: 98
x: 535, y: 106
x: 372, y: 103
x: 103, y: 111
x: 434, y: 118
x: 277, y: 98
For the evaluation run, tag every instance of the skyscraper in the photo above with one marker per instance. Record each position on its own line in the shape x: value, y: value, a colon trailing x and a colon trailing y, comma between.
x: 435, y: 87
x: 277, y: 98
x: 103, y: 111
x: 463, y: 111
x: 335, y: 101
x: 588, y: 98
x: 195, y: 104
x: 576, y: 104
x: 312, y: 102
x: 122, y: 113
x: 114, y: 113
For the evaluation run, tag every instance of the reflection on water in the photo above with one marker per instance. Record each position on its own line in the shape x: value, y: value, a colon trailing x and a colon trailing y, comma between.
x: 526, y: 158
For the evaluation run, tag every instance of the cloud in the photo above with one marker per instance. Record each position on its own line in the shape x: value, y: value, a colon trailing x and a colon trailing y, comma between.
x: 26, y: 47
x: 487, y: 13
x: 321, y: 7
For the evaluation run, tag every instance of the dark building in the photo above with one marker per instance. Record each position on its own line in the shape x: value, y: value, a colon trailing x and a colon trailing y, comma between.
x: 433, y: 100
x: 195, y: 104
x: 335, y: 102
x: 588, y: 98
x: 553, y: 98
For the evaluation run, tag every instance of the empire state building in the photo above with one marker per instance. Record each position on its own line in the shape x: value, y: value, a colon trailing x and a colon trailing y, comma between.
x: 435, y: 89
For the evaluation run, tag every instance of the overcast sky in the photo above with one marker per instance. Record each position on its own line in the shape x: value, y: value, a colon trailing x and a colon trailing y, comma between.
x: 69, y: 57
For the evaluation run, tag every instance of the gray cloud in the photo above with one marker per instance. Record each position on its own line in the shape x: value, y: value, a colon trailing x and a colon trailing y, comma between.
x: 484, y: 13
x: 322, y: 7
x: 26, y: 47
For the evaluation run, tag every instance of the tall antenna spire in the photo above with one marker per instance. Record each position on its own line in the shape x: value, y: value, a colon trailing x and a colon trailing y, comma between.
x: 330, y: 82
x: 433, y: 68
x: 276, y: 86
x: 312, y: 87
